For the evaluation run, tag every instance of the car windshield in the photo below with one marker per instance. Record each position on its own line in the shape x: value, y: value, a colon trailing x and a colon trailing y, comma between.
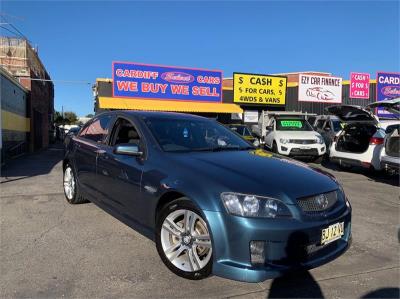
x: 186, y: 135
x: 241, y: 130
x: 288, y: 124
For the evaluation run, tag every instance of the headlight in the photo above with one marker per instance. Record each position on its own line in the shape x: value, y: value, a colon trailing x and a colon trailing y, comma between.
x: 254, y: 206
x: 320, y: 140
x: 283, y: 140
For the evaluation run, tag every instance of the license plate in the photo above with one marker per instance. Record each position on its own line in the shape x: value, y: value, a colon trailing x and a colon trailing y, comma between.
x: 332, y: 233
x: 305, y: 147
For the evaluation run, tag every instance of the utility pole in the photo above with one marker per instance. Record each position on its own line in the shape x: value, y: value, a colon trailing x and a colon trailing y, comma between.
x: 63, y: 123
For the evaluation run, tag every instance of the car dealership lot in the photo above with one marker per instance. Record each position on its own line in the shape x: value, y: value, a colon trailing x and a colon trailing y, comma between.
x: 52, y: 249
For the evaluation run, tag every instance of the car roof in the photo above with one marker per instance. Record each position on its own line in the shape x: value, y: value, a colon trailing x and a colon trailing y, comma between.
x: 332, y: 117
x: 290, y: 117
x: 166, y: 115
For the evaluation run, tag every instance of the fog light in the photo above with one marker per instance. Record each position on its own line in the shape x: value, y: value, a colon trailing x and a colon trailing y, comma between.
x: 284, y: 148
x: 257, y: 255
x: 322, y: 149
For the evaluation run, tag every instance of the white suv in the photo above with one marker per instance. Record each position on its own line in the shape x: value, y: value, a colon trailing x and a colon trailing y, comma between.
x: 293, y: 136
x: 361, y: 141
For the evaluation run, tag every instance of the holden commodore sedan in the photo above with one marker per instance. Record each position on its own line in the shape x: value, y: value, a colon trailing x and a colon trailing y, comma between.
x: 211, y: 201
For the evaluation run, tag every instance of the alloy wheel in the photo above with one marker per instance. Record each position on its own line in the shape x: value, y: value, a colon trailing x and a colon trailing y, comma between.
x: 69, y: 183
x: 186, y: 240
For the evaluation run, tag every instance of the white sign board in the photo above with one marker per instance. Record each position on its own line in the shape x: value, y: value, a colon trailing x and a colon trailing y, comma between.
x: 250, y: 116
x: 320, y: 89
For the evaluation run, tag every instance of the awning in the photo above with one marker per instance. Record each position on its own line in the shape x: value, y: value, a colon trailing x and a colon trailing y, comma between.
x: 173, y: 106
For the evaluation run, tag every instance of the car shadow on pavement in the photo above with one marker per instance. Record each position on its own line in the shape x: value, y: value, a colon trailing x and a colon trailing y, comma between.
x: 383, y: 293
x: 33, y: 164
x: 299, y: 284
x: 377, y: 176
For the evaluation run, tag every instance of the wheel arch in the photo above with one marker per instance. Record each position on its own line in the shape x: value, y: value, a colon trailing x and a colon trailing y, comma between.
x: 166, y: 198
x: 65, y: 162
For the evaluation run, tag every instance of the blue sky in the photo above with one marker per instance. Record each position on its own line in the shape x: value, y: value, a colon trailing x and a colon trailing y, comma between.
x: 78, y: 40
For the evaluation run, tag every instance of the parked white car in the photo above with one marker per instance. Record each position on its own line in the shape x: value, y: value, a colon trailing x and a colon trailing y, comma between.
x: 290, y: 134
x: 390, y: 154
x: 361, y: 141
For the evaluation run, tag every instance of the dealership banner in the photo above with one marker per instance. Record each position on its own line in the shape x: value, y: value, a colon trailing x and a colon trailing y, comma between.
x: 135, y: 80
x: 320, y: 89
x: 387, y: 87
x: 359, y: 85
x: 259, y: 89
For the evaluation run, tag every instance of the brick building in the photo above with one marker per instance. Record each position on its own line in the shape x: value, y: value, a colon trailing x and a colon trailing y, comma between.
x: 22, y: 62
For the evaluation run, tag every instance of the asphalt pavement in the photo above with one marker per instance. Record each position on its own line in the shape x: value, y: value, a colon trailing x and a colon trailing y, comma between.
x: 50, y: 249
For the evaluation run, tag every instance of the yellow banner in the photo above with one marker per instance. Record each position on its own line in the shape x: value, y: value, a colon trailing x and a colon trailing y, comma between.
x: 259, y: 89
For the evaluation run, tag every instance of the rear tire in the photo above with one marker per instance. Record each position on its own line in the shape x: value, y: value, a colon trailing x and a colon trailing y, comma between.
x: 71, y: 188
x: 183, y: 240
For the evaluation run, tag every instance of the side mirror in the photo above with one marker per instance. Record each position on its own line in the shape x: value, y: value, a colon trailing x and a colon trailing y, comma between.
x: 327, y: 129
x: 128, y: 149
x: 269, y: 128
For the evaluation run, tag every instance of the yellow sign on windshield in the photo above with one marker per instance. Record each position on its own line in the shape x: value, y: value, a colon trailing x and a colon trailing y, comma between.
x: 259, y: 89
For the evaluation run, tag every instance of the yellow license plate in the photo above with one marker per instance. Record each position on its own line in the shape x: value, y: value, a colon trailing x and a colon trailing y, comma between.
x: 332, y: 233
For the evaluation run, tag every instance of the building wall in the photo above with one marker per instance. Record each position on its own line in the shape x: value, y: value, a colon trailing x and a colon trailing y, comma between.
x: 15, y: 125
x: 22, y: 61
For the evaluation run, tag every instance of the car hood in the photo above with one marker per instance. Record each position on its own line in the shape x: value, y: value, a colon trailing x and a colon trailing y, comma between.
x: 297, y: 134
x: 255, y: 172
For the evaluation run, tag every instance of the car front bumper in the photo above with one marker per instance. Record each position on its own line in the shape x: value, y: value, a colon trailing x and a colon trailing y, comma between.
x: 299, y: 150
x: 290, y: 244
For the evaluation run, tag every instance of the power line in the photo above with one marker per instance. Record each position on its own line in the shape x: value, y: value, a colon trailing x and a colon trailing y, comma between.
x: 16, y: 29
x: 61, y: 81
x: 8, y: 29
x: 13, y: 27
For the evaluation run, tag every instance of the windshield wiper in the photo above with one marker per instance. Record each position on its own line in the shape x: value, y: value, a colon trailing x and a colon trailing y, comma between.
x: 226, y: 148
x: 246, y: 148
x: 223, y: 148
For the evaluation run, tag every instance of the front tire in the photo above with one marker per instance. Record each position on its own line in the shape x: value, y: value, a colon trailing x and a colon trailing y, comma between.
x: 71, y: 188
x: 183, y: 240
x: 274, y: 148
x: 318, y: 159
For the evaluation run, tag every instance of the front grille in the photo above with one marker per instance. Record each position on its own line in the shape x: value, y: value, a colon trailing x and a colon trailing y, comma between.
x: 303, y: 141
x: 318, y: 203
x: 303, y: 152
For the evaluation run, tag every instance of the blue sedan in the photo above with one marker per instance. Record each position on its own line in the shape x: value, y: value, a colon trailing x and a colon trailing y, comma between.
x: 211, y: 201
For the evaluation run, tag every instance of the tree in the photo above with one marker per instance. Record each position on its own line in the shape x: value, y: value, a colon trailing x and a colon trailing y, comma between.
x: 90, y: 115
x: 70, y: 117
x: 58, y: 119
